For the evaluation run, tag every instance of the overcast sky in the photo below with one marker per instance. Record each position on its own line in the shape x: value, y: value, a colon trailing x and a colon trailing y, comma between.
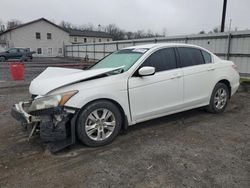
x: 177, y: 16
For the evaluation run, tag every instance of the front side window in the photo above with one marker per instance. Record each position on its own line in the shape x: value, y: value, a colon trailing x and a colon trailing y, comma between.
x: 125, y: 58
x: 190, y: 56
x: 75, y: 39
x: 162, y: 60
x: 85, y: 40
x: 38, y: 35
x: 12, y: 50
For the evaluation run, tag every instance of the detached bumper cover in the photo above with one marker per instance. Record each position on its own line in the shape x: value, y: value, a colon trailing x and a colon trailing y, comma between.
x: 20, y: 114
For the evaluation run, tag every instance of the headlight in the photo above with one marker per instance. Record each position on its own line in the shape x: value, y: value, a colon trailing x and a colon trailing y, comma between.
x: 51, y: 101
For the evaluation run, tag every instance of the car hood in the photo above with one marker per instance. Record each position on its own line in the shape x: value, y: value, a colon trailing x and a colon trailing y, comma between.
x: 53, y: 78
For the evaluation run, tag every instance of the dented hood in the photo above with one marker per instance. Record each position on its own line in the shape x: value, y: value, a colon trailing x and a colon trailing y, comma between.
x: 54, y: 77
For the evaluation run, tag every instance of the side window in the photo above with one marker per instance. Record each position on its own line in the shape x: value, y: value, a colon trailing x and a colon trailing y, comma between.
x: 207, y: 57
x: 190, y: 56
x: 162, y: 60
x: 22, y: 50
x: 12, y: 50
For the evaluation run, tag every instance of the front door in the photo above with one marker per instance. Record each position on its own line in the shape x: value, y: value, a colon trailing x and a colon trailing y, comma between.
x: 158, y: 94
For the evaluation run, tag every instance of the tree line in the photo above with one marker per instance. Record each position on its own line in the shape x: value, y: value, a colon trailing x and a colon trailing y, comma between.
x: 112, y: 29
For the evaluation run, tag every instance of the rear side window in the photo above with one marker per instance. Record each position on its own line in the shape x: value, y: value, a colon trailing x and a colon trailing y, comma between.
x: 162, y: 60
x: 207, y: 57
x: 190, y: 56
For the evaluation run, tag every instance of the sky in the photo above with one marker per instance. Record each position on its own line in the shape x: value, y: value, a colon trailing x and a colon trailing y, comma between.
x: 176, y: 17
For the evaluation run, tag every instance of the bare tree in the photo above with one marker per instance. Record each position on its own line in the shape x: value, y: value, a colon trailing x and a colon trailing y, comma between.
x: 115, y: 32
x: 13, y: 23
x: 66, y: 25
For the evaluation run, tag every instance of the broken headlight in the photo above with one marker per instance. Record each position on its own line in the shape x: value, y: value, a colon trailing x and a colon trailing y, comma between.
x: 51, y: 101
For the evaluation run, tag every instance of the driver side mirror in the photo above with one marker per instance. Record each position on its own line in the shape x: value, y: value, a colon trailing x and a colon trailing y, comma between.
x: 146, y: 71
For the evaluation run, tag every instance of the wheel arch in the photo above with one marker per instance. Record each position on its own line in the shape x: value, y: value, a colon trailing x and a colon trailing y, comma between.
x: 227, y: 83
x: 123, y: 114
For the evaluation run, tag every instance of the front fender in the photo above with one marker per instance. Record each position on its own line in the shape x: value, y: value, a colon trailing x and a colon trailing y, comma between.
x: 82, y: 98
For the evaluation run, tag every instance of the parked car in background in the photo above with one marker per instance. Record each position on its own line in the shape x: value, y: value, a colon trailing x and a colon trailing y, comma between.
x: 129, y: 86
x: 24, y: 54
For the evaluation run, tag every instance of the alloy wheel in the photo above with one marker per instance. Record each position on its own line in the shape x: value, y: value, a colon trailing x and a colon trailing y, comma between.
x: 100, y: 124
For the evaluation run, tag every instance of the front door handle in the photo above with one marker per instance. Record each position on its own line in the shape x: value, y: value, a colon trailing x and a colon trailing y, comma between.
x: 175, y: 76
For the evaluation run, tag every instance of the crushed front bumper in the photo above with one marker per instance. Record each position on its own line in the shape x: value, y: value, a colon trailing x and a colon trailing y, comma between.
x: 53, y: 125
x: 21, y: 115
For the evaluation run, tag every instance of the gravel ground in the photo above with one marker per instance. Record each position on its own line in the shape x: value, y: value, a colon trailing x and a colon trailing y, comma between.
x: 189, y: 149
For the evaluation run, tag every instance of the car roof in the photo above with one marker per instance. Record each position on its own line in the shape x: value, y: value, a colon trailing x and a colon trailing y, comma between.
x: 157, y: 45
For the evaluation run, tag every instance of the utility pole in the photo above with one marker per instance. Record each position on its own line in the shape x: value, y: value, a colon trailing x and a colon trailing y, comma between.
x: 223, y: 16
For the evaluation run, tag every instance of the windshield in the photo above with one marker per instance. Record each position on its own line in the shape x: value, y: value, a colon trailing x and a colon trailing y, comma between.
x: 122, y: 58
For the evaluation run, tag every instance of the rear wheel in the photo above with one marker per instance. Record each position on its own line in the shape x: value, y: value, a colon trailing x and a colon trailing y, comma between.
x: 219, y: 98
x: 99, y: 123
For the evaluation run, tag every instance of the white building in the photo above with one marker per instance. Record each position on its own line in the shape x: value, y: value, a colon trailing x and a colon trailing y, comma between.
x: 78, y: 36
x: 48, y: 39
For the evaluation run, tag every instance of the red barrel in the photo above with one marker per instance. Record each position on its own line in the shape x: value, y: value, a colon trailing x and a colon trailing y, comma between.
x: 17, y: 71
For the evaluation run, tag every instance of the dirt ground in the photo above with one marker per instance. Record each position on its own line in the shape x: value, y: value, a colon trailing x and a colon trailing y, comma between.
x: 190, y: 149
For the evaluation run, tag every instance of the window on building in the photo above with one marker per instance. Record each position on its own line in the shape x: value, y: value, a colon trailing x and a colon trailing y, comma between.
x: 49, y: 36
x: 75, y: 39
x: 85, y: 40
x: 162, y: 60
x: 50, y: 51
x: 107, y: 40
x: 38, y: 35
x: 39, y: 50
x: 190, y: 56
x: 100, y: 40
x: 60, y: 50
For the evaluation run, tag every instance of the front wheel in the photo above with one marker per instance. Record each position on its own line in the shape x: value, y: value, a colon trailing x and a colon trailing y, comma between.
x: 219, y: 98
x: 99, y: 123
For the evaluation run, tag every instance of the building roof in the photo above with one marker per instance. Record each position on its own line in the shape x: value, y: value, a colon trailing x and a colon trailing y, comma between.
x: 86, y: 33
x: 72, y: 32
x: 34, y: 21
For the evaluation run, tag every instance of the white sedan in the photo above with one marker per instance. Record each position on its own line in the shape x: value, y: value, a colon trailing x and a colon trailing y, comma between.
x: 131, y: 85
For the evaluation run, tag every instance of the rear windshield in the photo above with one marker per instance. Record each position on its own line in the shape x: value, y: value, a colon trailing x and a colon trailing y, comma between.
x: 122, y: 58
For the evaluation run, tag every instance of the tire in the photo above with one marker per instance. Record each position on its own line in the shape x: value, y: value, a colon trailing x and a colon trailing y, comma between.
x: 99, y: 123
x: 219, y: 99
x: 2, y: 59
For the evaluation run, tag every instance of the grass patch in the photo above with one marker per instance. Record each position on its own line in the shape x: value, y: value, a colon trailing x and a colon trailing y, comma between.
x: 245, y: 79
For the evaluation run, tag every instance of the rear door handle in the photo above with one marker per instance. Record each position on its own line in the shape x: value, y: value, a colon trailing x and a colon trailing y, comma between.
x: 210, y: 69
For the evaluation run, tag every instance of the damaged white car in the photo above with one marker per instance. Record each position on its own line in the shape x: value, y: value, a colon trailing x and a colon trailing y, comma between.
x: 131, y: 85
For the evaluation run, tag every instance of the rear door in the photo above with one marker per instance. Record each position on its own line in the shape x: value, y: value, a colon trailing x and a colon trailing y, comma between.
x: 158, y: 94
x: 198, y: 75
